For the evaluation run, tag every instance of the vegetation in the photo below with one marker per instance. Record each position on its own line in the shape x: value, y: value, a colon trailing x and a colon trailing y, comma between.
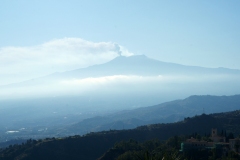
x: 149, y: 141
x: 169, y: 150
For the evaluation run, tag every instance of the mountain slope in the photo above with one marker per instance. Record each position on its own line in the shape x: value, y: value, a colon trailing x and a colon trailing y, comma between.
x: 133, y: 65
x: 163, y: 113
x: 93, y: 145
x: 140, y: 65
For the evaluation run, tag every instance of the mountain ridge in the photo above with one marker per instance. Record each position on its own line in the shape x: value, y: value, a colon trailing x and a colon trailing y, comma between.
x: 142, y: 65
x: 132, y: 65
x: 167, y: 112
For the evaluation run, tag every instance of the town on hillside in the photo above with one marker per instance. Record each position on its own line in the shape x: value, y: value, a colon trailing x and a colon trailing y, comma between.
x: 215, y: 142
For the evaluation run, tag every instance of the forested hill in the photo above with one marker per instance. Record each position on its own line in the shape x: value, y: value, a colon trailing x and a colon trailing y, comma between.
x: 93, y: 145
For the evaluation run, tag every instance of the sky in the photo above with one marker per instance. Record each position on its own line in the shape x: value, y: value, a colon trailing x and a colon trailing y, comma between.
x: 42, y: 37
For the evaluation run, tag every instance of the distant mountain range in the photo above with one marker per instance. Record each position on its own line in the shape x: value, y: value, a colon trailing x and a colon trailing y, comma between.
x: 163, y: 113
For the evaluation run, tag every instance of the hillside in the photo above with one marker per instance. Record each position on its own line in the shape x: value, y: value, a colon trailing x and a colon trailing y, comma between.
x: 93, y: 145
x: 62, y: 123
x: 163, y: 113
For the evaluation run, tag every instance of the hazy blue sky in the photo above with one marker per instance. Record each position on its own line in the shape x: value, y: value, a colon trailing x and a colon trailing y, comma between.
x: 203, y: 33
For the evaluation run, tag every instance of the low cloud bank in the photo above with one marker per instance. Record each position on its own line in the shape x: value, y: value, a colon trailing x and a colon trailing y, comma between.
x: 127, y: 84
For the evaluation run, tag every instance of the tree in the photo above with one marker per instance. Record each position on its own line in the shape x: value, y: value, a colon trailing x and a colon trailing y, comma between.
x: 230, y: 136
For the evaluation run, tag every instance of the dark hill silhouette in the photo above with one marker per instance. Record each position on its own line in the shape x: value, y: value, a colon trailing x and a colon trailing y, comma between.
x: 93, y: 145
